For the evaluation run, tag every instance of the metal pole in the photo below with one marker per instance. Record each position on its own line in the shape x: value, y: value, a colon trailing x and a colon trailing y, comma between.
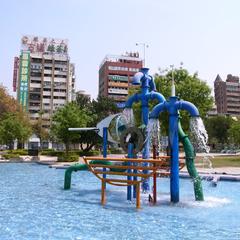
x: 173, y: 136
x: 144, y: 52
x: 105, y: 138
x: 154, y: 176
x: 173, y: 91
x: 144, y: 55
x: 130, y: 155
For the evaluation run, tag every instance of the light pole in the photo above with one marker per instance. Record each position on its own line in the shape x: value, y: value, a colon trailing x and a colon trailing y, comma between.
x: 173, y: 92
x: 144, y: 45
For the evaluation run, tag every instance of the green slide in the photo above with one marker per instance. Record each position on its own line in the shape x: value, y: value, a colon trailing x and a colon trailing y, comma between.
x: 190, y: 156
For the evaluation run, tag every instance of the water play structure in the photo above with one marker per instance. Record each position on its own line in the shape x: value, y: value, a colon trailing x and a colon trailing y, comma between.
x: 133, y: 171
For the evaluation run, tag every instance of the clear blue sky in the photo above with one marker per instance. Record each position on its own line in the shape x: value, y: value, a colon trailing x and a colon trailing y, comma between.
x: 202, y: 34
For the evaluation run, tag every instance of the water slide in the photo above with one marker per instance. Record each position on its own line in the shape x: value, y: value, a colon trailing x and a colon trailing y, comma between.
x: 190, y: 156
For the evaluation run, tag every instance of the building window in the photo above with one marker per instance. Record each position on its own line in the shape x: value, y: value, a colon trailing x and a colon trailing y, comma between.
x: 117, y: 68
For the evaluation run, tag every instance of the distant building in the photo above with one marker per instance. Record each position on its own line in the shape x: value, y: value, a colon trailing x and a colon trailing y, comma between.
x: 213, y: 111
x: 43, y: 77
x: 115, y: 74
x: 227, y: 95
x: 82, y: 93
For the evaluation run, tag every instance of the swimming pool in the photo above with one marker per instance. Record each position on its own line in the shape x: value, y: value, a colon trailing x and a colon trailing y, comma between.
x: 33, y: 205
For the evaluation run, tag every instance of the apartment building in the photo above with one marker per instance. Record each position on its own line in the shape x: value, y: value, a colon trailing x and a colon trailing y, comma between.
x: 115, y: 73
x: 227, y: 95
x: 43, y: 77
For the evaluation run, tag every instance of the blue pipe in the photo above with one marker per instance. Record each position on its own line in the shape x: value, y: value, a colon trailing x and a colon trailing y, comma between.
x: 191, y: 108
x: 130, y: 155
x: 105, y: 139
x: 132, y: 99
x: 157, y: 96
x: 148, y: 93
x: 172, y: 106
x: 181, y: 105
x: 158, y: 109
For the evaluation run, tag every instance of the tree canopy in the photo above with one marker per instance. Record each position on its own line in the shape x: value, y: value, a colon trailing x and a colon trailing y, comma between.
x: 14, y: 123
x: 70, y: 116
x: 189, y: 88
x: 234, y: 131
x: 218, y: 128
x: 96, y: 110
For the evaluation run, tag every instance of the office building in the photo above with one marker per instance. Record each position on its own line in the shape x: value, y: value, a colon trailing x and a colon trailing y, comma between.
x: 115, y: 75
x: 43, y: 77
x: 227, y: 95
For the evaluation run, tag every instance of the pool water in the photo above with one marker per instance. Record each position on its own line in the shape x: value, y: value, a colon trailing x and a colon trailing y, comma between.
x: 33, y: 205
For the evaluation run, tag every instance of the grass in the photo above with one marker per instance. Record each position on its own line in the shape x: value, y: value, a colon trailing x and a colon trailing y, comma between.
x: 225, y: 161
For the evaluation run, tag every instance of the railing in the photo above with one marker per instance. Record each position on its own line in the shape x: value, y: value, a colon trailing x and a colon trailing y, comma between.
x: 125, y: 167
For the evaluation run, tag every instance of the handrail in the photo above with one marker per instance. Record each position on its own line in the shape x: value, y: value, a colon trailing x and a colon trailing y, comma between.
x: 102, y: 169
x: 138, y: 160
x: 124, y: 167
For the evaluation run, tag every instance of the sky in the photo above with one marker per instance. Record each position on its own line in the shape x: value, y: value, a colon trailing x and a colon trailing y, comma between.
x: 203, y: 34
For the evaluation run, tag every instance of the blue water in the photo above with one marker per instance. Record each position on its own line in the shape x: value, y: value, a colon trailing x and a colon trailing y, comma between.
x: 33, y: 205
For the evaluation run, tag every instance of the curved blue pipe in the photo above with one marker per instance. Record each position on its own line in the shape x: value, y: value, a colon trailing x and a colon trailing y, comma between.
x: 157, y: 110
x: 191, y: 108
x: 131, y: 100
x: 180, y: 105
x: 158, y: 96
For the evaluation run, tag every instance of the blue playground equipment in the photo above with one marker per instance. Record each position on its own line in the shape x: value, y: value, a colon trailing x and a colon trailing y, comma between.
x: 133, y: 171
x: 148, y: 92
x: 173, y: 105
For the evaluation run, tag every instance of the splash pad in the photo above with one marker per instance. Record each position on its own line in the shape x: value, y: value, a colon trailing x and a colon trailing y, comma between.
x: 135, y: 170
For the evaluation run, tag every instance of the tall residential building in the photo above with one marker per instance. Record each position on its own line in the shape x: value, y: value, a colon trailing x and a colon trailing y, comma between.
x: 227, y: 95
x: 43, y: 77
x: 115, y: 74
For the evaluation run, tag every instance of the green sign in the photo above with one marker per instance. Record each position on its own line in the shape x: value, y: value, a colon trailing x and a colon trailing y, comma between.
x: 118, y: 78
x: 24, y: 78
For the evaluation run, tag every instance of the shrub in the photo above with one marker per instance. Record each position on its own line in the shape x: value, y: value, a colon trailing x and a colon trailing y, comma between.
x: 116, y: 151
x: 18, y: 152
x: 52, y: 152
x: 11, y: 156
x: 68, y: 158
x: 91, y: 153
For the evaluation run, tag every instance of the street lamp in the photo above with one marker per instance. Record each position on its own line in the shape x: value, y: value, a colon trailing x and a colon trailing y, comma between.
x: 144, y: 45
x: 173, y: 92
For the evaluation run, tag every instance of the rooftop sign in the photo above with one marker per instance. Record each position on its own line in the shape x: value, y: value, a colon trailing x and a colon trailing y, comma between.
x: 36, y: 44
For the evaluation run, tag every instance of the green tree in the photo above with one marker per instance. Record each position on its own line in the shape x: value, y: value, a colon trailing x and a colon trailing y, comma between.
x: 38, y: 130
x: 14, y: 123
x: 189, y: 88
x: 96, y: 110
x: 7, y: 103
x: 70, y: 116
x: 14, y: 127
x: 217, y: 128
x: 233, y: 132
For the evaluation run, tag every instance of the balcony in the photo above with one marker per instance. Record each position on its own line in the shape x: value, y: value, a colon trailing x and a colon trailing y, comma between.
x: 60, y: 80
x: 46, y: 93
x: 117, y: 84
x: 117, y: 91
x: 37, y: 108
x: 60, y: 94
x: 47, y: 71
x: 35, y: 85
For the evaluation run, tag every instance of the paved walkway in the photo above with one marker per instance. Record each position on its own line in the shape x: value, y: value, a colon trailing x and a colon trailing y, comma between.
x: 52, y: 162
x: 225, y: 170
